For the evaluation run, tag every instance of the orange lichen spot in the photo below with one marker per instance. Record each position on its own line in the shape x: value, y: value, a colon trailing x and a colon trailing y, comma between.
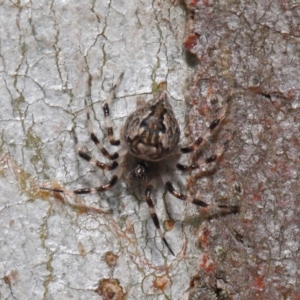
x: 111, y: 258
x: 81, y: 249
x: 6, y: 279
x: 193, y: 2
x: 255, y: 89
x: 290, y: 94
x: 203, y: 109
x: 191, y: 41
x: 203, y: 235
x: 194, y: 281
x: 190, y: 185
x: 295, y: 141
x: 258, y: 283
x: 162, y: 86
x: 206, y: 263
x: 267, y: 122
x: 161, y: 283
x: 158, y: 87
x: 129, y: 226
x: 168, y: 225
x: 110, y: 289
x: 256, y: 197
x: 12, y: 277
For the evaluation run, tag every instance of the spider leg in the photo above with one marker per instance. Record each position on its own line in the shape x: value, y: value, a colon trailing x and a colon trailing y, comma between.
x: 213, y: 126
x: 90, y: 190
x: 213, y: 158
x: 95, y: 139
x: 105, y: 107
x: 154, y: 217
x: 169, y: 187
x: 92, y: 160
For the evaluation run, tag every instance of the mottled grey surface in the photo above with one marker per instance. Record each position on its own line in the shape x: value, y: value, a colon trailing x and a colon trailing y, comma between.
x: 250, y: 49
x: 53, y: 54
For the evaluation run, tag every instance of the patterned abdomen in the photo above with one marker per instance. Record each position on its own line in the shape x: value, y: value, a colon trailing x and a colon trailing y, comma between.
x: 152, y: 132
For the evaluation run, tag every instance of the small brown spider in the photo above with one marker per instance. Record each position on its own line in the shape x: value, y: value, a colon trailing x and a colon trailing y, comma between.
x: 149, y: 146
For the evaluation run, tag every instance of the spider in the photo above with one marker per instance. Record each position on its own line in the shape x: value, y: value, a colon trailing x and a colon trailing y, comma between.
x: 149, y: 146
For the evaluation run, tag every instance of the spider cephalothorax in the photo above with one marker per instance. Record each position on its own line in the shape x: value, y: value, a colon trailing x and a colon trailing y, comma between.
x: 149, y: 150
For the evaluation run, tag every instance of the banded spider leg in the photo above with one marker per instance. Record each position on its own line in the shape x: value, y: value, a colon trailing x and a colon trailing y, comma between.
x: 154, y: 217
x: 116, y: 157
x: 193, y: 149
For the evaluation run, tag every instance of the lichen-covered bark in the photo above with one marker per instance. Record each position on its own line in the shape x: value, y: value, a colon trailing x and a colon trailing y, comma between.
x: 53, y: 55
x: 249, y: 49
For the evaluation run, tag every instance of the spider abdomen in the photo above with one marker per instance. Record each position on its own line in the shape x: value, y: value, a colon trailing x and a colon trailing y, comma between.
x: 152, y: 132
